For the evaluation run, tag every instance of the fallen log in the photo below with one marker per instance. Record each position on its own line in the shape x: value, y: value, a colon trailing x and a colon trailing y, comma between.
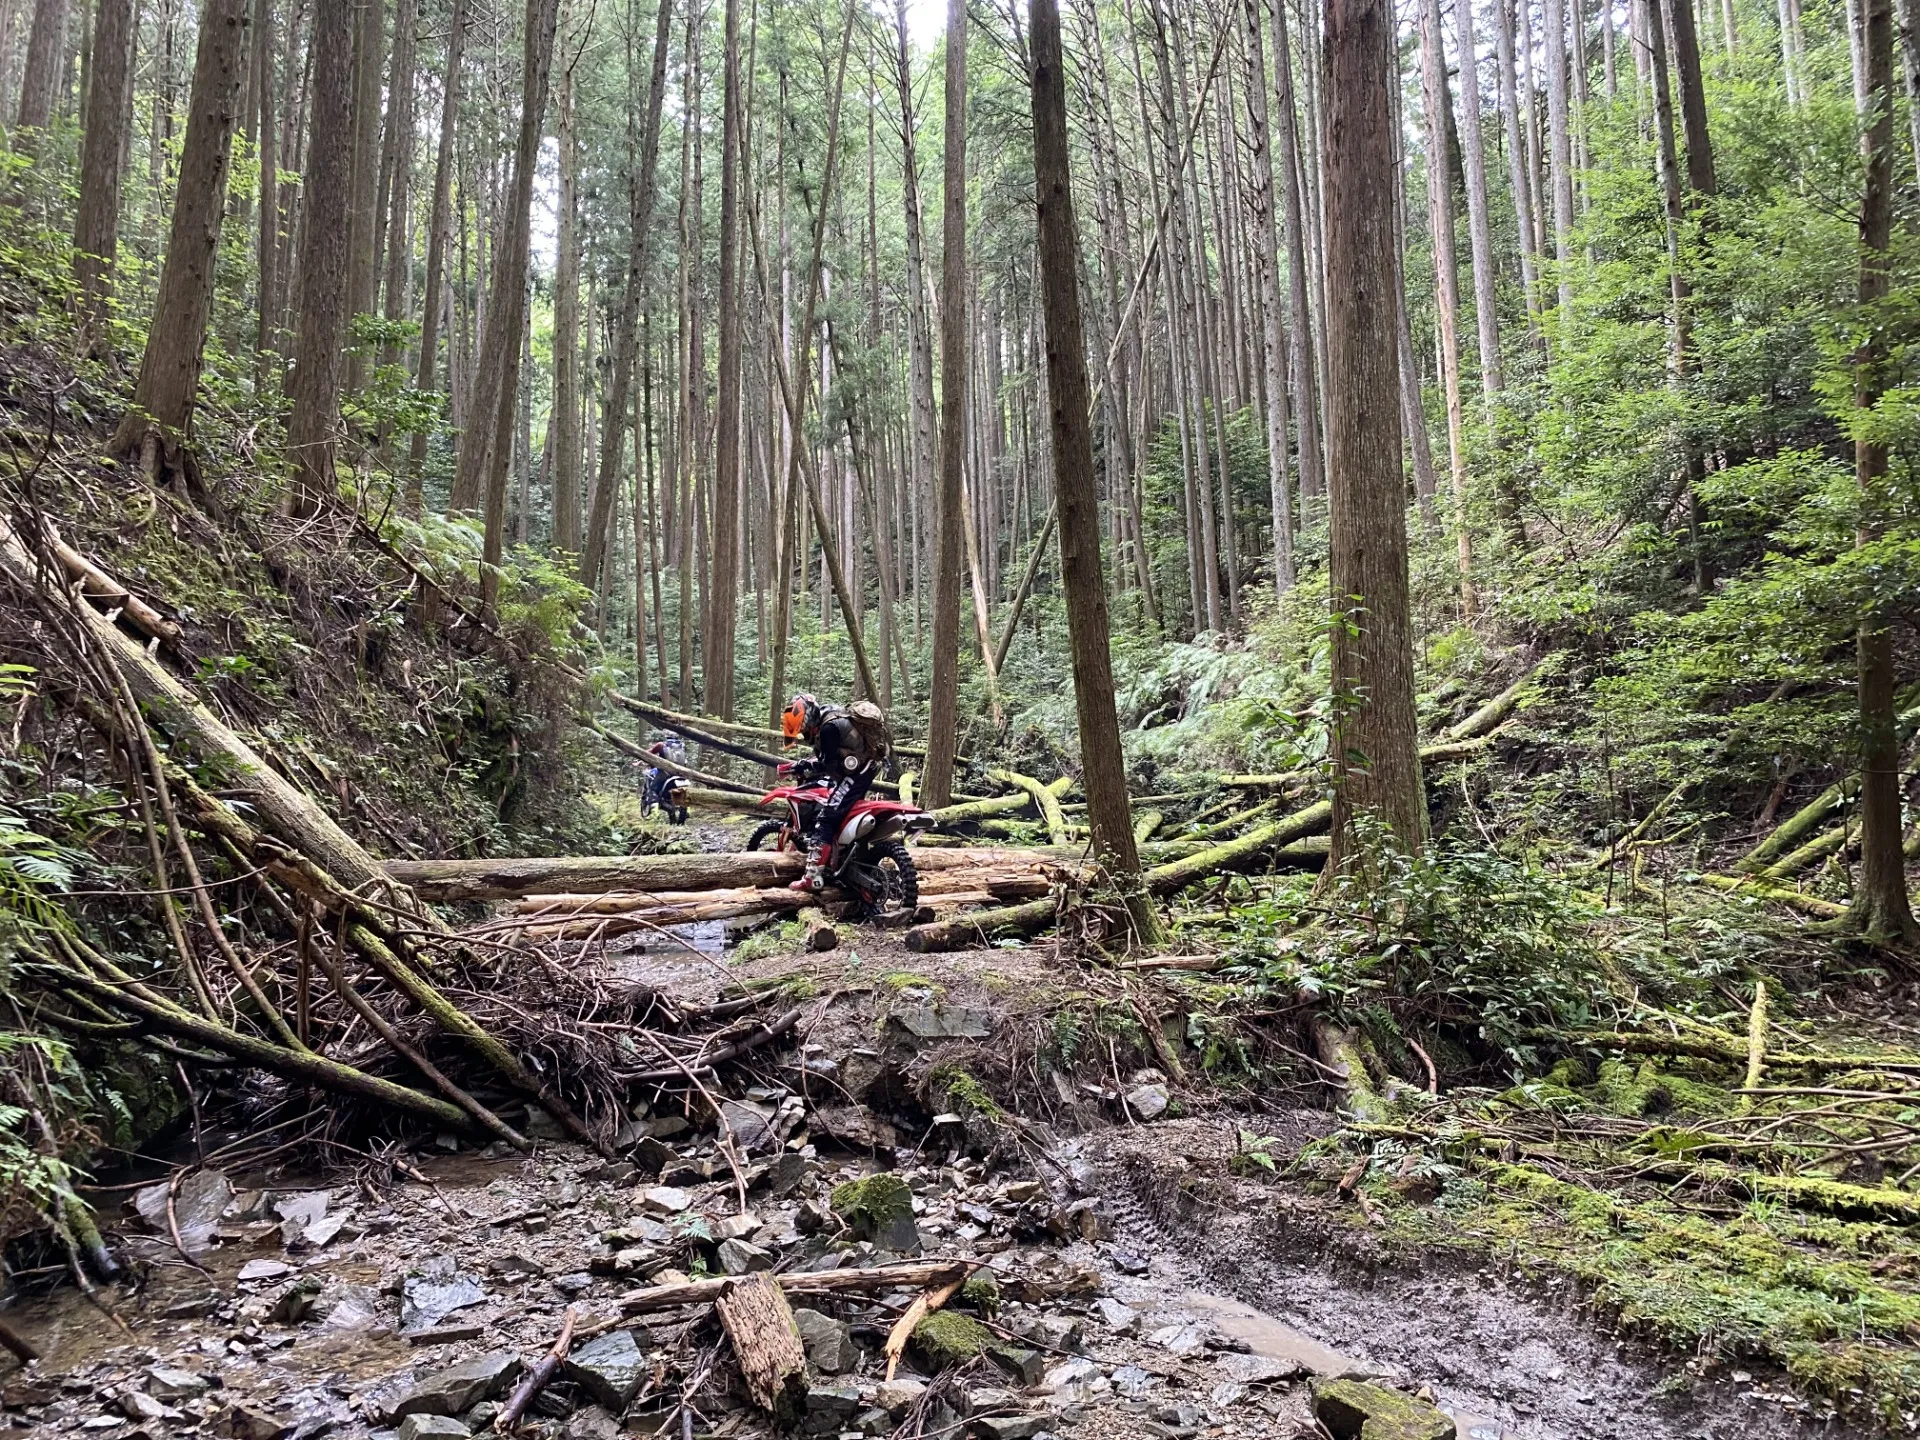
x: 870, y: 1280
x: 1730, y: 1049
x: 1045, y: 800
x: 673, y: 719
x: 821, y: 934
x: 1828, y: 842
x: 691, y: 908
x: 951, y: 815
x: 536, y: 1379
x: 1145, y: 823
x: 712, y: 1059
x: 766, y: 1343
x: 1178, y: 874
x: 1798, y: 826
x: 101, y: 588
x: 698, y: 797
x: 983, y: 927
x: 1490, y: 715
x: 1777, y: 894
x: 672, y: 767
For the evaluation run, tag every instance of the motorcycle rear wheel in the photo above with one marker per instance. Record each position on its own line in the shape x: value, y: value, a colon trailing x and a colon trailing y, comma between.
x: 886, y: 880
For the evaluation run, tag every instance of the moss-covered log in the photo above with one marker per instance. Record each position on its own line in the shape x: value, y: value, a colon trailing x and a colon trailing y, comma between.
x: 971, y: 810
x: 1797, y: 827
x: 1045, y: 799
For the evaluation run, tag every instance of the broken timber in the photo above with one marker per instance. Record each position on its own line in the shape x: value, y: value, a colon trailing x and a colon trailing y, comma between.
x: 873, y: 1279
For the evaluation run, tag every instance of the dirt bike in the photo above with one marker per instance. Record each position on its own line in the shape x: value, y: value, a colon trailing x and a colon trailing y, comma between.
x: 869, y: 858
x: 665, y: 793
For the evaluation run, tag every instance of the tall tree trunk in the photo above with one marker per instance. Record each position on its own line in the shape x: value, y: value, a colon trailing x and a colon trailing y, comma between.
x: 266, y: 350
x: 1881, y: 908
x: 920, y: 331
x: 1479, y: 222
x: 96, y: 233
x: 1446, y: 285
x: 1693, y: 96
x: 565, y: 420
x: 40, y: 80
x: 1554, y: 43
x: 1517, y: 165
x: 949, y: 517
x: 1070, y: 402
x: 1377, y: 764
x: 643, y: 183
x: 724, y: 610
x: 483, y: 468
x: 159, y: 423
x: 1266, y: 267
x: 438, y: 223
x: 326, y: 181
x: 1305, y: 366
x: 363, y: 213
x: 397, y: 167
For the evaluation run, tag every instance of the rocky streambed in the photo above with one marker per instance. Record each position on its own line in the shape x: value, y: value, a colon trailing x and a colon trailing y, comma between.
x: 1128, y: 1282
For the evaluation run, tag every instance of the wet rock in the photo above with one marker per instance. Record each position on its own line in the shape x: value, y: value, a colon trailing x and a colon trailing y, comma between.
x: 573, y: 1285
x: 610, y: 1172
x: 433, y: 1427
x: 879, y: 1208
x: 434, y: 1291
x: 1354, y: 1410
x: 167, y: 1384
x: 737, y: 1257
x: 299, y: 1210
x: 324, y: 1231
x: 610, y: 1368
x: 263, y: 1270
x: 736, y: 1227
x: 897, y: 1396
x: 1184, y: 1339
x: 197, y: 1207
x: 252, y: 1422
x: 513, y: 1264
x: 460, y: 1387
x: 1121, y: 1319
x: 665, y: 1200
x: 828, y: 1343
x: 873, y: 1422
x: 296, y: 1302
x: 786, y: 1174
x: 829, y: 1407
x: 1073, y: 1380
x: 592, y: 1423
x: 1131, y: 1262
x: 347, y: 1307
x: 1148, y: 1102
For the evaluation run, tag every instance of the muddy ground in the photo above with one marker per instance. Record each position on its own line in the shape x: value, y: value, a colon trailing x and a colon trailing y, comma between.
x: 1145, y: 1288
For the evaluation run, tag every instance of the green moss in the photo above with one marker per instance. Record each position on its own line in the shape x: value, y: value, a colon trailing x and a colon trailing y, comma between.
x: 1624, y: 1090
x: 871, y: 1204
x: 982, y: 1292
x: 947, y: 1338
x: 965, y: 1094
x: 773, y: 940
x: 899, y: 980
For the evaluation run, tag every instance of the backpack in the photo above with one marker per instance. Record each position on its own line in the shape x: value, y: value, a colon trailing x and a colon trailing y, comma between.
x: 870, y: 722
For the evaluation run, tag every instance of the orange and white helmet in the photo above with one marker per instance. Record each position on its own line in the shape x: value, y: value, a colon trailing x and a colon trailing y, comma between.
x: 801, y: 719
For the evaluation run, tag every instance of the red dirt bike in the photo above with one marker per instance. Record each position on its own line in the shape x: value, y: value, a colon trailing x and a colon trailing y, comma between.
x: 869, y: 858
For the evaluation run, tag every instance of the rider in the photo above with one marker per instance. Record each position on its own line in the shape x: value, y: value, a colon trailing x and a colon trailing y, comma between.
x: 843, y: 760
x: 659, y: 779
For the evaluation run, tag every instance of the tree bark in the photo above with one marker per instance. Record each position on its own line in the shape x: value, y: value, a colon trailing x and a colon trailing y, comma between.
x: 266, y: 344
x: 1881, y: 908
x: 326, y: 182
x: 1307, y: 395
x: 1554, y: 43
x: 642, y: 186
x: 507, y: 305
x: 364, y: 200
x: 1075, y: 486
x: 396, y: 197
x: 1517, y: 165
x: 943, y: 698
x: 432, y: 301
x: 96, y: 234
x: 40, y: 80
x: 1693, y: 95
x: 723, y: 608
x: 1273, y: 334
x: 1479, y: 222
x: 1377, y: 764
x: 564, y: 421
x: 170, y: 370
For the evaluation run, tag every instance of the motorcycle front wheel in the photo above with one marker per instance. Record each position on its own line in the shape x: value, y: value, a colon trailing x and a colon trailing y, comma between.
x: 766, y: 830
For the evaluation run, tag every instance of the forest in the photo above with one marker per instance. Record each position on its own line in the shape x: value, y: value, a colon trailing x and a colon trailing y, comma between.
x: 1363, y: 557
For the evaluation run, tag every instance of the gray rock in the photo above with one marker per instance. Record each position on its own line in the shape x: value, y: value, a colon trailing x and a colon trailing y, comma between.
x: 1026, y: 1366
x: 252, y: 1422
x: 1180, y: 1339
x: 1052, y: 1332
x: 323, y: 1231
x: 575, y: 1284
x: 609, y: 1367
x: 299, y: 1210
x: 736, y: 1227
x: 1133, y: 1382
x: 592, y: 1423
x: 347, y: 1307
x: 896, y: 1396
x: 167, y: 1384
x: 434, y: 1291
x: 1131, y: 1262
x: 1071, y: 1375
x: 665, y: 1200
x: 296, y: 1302
x: 138, y: 1405
x: 1121, y: 1319
x: 1258, y: 1369
x: 737, y: 1257
x: 1008, y: 1427
x: 829, y: 1407
x: 514, y: 1263
x: 460, y: 1387
x: 433, y: 1427
x: 873, y: 1422
x: 197, y: 1207
x: 828, y: 1343
x: 750, y: 1125
x: 943, y: 1022
x: 263, y: 1270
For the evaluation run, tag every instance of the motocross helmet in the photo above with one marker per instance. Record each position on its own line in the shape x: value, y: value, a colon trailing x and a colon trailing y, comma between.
x: 801, y: 719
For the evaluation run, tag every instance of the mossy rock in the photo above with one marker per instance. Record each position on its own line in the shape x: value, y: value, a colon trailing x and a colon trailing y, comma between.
x: 1650, y: 1089
x: 1352, y: 1410
x: 947, y: 1338
x: 981, y: 1292
x: 872, y: 1202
